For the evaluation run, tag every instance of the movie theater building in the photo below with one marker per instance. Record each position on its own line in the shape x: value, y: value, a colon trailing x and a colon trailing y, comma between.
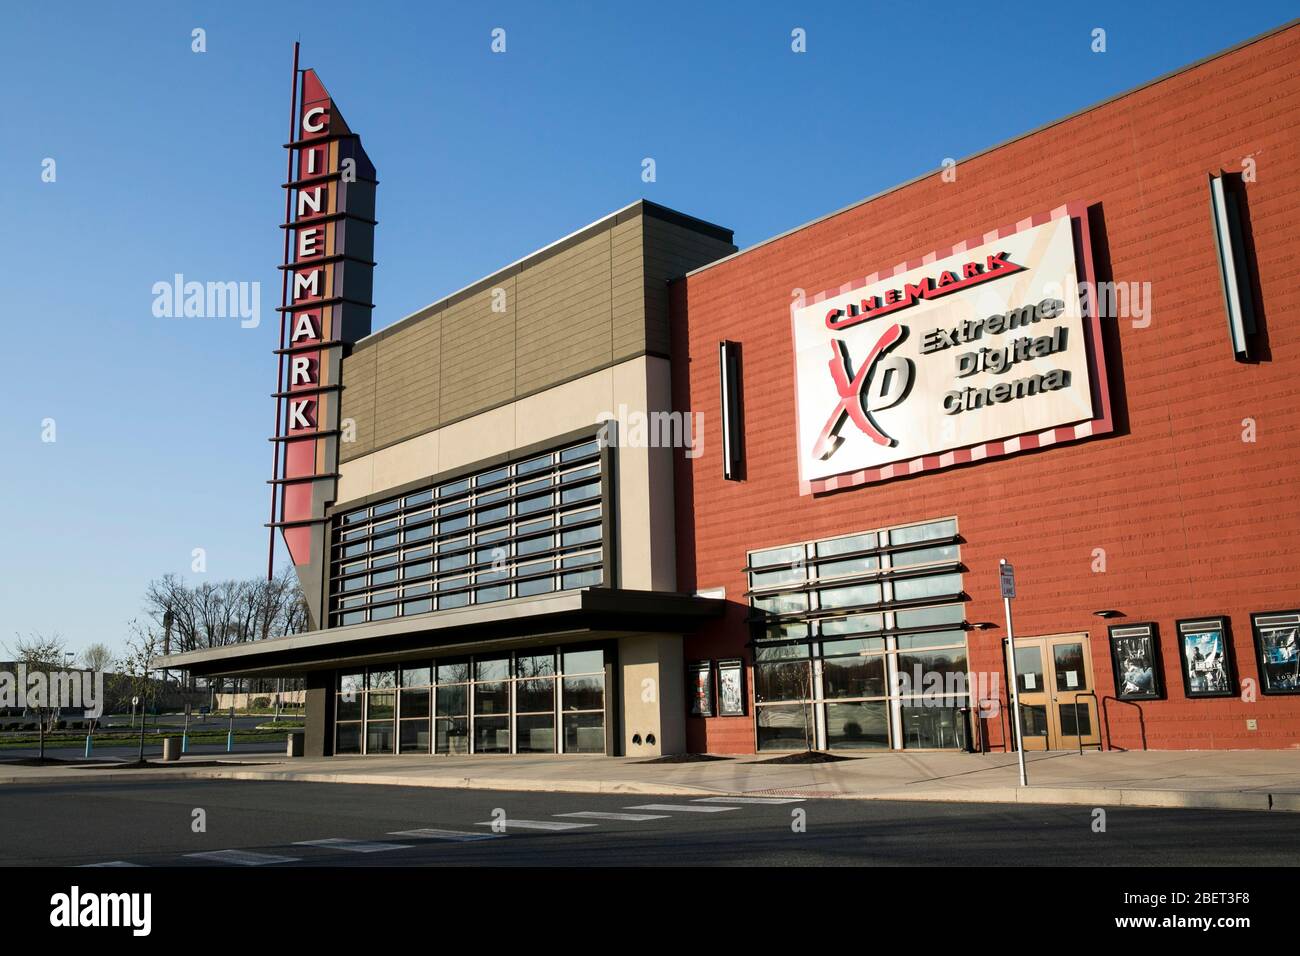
x: 914, y: 391
x: 639, y: 493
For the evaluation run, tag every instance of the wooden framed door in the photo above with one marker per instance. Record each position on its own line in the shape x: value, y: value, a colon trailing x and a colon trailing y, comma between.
x: 1055, y: 683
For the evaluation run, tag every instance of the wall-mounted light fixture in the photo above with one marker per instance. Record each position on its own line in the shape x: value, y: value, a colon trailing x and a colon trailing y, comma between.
x: 1234, y: 269
x: 1107, y: 614
x: 733, y: 427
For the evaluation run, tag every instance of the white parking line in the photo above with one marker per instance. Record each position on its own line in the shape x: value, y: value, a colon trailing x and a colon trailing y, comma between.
x: 109, y: 863
x: 533, y: 824
x: 600, y: 815
x: 682, y: 807
x: 772, y: 800
x: 241, y: 857
x: 352, y: 846
x: 453, y: 836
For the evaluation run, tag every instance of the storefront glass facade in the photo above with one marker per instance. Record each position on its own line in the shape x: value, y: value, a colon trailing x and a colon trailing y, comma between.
x: 544, y: 700
x: 517, y: 530
x: 860, y: 641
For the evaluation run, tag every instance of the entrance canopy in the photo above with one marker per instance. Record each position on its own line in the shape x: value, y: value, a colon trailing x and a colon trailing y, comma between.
x: 562, y: 617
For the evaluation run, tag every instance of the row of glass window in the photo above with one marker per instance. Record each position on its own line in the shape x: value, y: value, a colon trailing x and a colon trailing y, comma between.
x: 508, y: 703
x: 492, y: 546
x: 851, y: 680
x: 922, y: 724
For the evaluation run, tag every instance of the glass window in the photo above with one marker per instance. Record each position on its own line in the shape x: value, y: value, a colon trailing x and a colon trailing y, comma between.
x: 347, y: 739
x: 929, y: 616
x: 535, y: 665
x: 416, y: 676
x: 415, y: 703
x: 451, y: 736
x: 535, y: 733
x: 855, y: 676
x: 414, y: 736
x: 452, y: 671
x: 849, y: 566
x: 858, y: 726
x: 584, y: 693
x: 923, y: 532
x: 849, y: 597
x: 938, y: 725
x: 534, y: 695
x: 855, y: 624
x: 935, y: 585
x: 854, y: 607
x: 782, y: 680
x: 451, y: 700
x: 785, y: 727
x: 944, y: 552
x: 787, y: 556
x: 930, y: 672
x: 492, y: 698
x: 857, y: 542
x: 492, y: 735
x: 583, y: 661
x: 584, y: 733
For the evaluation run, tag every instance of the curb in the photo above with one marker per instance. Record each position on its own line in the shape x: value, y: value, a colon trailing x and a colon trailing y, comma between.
x: 1053, y: 796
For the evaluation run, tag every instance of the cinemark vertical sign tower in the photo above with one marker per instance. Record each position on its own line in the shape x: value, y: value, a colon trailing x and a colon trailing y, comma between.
x: 327, y: 304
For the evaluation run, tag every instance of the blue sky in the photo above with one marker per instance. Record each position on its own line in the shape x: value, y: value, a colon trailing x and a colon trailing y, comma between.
x: 169, y: 161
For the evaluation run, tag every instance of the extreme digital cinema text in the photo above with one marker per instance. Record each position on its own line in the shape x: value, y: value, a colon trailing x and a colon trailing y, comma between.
x: 1000, y: 360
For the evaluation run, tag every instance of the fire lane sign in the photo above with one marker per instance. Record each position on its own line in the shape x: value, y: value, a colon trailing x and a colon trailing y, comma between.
x: 1007, y: 577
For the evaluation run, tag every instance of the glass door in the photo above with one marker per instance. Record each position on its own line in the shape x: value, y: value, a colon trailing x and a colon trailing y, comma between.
x: 1054, y: 680
x: 1035, y: 703
x: 1074, y: 709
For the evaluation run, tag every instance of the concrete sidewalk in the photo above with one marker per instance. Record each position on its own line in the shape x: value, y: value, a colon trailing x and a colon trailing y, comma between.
x: 1245, y: 780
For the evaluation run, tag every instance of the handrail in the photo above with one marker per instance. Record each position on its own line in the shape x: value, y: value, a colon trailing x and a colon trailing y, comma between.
x: 1077, y: 734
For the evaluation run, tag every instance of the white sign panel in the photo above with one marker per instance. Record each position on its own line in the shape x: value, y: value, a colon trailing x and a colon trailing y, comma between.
x: 983, y: 344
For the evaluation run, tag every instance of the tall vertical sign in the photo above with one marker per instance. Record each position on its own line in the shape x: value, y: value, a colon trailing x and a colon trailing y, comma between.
x: 327, y: 304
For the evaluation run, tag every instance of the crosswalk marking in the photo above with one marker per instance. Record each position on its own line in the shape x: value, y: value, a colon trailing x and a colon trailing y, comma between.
x: 772, y: 800
x: 454, y: 836
x: 533, y: 824
x: 352, y: 846
x: 680, y: 807
x: 600, y: 815
x: 109, y: 863
x: 241, y: 857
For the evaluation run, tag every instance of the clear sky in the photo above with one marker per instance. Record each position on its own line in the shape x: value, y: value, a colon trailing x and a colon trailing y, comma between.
x: 169, y: 161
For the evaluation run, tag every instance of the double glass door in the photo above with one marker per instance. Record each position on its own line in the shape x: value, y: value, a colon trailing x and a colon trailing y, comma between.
x: 1054, y: 680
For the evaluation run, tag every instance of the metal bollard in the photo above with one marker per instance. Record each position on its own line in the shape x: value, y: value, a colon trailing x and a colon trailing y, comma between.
x: 230, y: 741
x: 89, y: 745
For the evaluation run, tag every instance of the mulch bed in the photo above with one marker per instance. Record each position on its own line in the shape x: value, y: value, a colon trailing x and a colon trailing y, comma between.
x: 684, y: 758
x: 807, y: 756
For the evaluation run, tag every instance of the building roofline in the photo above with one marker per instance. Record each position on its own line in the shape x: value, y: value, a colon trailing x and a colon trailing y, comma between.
x: 640, y: 207
x: 1006, y: 142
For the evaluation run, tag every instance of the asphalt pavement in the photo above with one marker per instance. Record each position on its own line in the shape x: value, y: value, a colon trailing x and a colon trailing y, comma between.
x: 275, y: 824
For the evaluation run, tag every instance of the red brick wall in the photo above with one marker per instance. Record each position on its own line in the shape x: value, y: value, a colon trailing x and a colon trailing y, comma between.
x: 1193, y: 520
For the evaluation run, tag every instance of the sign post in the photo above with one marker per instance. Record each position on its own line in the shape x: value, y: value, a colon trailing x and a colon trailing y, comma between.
x: 1007, y: 578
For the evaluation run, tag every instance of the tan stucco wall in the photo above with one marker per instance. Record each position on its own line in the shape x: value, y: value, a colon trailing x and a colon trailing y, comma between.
x: 643, y: 496
x: 654, y: 703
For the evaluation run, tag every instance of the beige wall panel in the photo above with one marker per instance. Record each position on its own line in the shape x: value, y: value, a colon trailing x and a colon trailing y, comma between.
x: 654, y: 704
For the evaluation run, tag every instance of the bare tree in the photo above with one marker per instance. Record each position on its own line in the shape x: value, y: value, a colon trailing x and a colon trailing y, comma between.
x: 38, y: 652
x: 97, y: 657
